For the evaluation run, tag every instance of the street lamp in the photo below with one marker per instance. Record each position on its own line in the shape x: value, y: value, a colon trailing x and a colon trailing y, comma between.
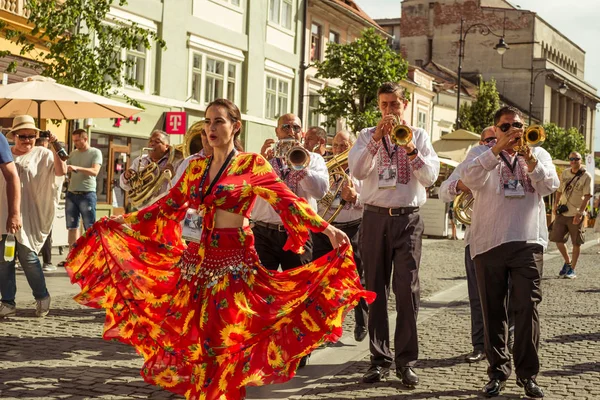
x: 485, y: 30
x: 562, y: 89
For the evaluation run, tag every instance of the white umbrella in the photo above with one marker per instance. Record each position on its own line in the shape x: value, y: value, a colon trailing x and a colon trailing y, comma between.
x: 42, y: 97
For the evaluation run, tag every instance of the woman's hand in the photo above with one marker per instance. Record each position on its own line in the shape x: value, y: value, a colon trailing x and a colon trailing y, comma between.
x: 336, y: 236
x: 119, y: 219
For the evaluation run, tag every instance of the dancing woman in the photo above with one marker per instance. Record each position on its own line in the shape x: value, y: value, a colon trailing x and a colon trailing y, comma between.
x: 208, y: 318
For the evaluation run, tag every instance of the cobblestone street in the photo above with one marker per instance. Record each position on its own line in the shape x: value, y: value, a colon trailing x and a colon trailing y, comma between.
x: 64, y: 357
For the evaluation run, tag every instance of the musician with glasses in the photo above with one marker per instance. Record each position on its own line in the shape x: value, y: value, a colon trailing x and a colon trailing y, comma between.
x: 572, y: 197
x: 312, y: 183
x: 344, y: 194
x: 508, y: 238
x: 394, y: 181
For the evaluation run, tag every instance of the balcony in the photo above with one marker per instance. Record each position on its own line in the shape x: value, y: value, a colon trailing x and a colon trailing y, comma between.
x: 16, y: 7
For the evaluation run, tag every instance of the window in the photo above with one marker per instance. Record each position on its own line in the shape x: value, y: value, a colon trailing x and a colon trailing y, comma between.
x: 276, y: 96
x: 280, y: 12
x: 422, y: 120
x: 334, y: 37
x: 212, y: 78
x: 315, y: 42
x: 137, y: 70
x: 313, y: 103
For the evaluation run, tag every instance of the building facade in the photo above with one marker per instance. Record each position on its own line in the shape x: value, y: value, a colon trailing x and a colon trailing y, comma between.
x: 540, y: 59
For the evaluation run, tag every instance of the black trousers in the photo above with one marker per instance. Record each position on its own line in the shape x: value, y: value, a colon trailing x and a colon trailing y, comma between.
x: 322, y: 246
x: 269, y: 246
x: 477, y: 337
x: 385, y: 240
x: 522, y: 263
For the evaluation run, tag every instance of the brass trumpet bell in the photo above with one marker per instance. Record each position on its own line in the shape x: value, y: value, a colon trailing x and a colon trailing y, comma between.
x: 401, y: 135
x: 295, y: 155
x: 534, y: 136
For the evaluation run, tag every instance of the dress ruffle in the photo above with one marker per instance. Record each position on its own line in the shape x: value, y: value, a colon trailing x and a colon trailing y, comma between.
x: 206, y: 337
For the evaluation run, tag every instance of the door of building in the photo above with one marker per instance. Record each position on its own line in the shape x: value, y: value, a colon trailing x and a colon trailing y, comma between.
x: 118, y: 162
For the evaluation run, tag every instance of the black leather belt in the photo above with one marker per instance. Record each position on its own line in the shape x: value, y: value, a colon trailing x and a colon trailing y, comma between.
x: 344, y: 225
x: 275, y: 227
x: 70, y: 191
x: 392, y: 212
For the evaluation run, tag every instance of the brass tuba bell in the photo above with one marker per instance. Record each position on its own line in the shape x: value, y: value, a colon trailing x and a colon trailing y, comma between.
x: 401, y: 134
x: 337, y: 173
x: 534, y: 136
x: 463, y: 207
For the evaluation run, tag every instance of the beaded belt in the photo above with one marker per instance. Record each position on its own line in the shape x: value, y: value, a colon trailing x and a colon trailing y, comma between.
x: 215, y: 265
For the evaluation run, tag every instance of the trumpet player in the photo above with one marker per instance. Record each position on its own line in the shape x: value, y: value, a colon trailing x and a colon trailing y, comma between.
x: 159, y: 143
x: 508, y: 188
x: 394, y: 180
x: 344, y: 193
x: 311, y: 182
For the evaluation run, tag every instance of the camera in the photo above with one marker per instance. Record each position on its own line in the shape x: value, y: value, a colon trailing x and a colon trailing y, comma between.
x: 45, y: 134
x: 562, y: 208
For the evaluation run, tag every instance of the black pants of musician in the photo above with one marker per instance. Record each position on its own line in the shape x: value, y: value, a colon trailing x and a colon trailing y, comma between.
x: 523, y: 264
x: 269, y: 246
x: 322, y: 246
x: 46, y: 250
x: 477, y: 337
x: 387, y: 240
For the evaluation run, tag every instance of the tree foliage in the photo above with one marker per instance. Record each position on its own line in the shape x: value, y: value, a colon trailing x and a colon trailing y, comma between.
x: 480, y: 114
x: 560, y: 142
x: 84, y: 45
x: 361, y: 67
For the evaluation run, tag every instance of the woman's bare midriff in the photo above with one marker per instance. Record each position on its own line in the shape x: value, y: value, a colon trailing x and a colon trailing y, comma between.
x: 225, y: 219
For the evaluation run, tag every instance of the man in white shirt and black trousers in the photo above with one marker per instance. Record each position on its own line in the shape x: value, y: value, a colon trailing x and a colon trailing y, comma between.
x: 394, y: 181
x: 508, y: 238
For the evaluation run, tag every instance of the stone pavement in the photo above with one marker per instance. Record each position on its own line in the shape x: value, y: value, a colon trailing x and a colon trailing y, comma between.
x: 64, y: 357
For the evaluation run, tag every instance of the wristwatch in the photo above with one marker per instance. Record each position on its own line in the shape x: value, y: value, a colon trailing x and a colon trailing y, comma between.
x: 413, y: 153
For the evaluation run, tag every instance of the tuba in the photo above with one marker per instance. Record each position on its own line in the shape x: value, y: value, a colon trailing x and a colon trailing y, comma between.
x: 534, y: 136
x: 292, y: 151
x: 146, y: 182
x: 463, y: 207
x: 337, y: 173
x: 192, y: 142
x: 401, y: 134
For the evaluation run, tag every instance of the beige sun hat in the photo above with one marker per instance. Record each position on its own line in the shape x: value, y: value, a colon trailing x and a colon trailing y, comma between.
x: 21, y: 122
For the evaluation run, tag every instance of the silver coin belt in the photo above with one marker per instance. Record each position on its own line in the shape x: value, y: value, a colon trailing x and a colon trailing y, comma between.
x: 215, y: 266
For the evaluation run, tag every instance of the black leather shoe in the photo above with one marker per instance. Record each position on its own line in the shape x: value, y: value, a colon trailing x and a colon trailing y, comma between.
x: 376, y: 373
x: 475, y: 356
x: 407, y: 376
x: 304, y: 361
x: 360, y: 333
x: 494, y: 387
x: 531, y: 388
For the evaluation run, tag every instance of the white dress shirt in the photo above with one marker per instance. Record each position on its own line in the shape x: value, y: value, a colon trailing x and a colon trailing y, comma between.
x: 366, y: 155
x: 497, y: 219
x: 312, y: 186
x: 350, y: 212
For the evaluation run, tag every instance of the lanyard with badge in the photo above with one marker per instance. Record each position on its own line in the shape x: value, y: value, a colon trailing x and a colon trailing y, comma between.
x: 192, y: 224
x: 389, y: 173
x: 514, y: 187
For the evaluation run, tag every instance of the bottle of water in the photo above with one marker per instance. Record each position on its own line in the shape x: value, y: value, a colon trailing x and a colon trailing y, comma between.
x: 60, y: 151
x: 9, y: 247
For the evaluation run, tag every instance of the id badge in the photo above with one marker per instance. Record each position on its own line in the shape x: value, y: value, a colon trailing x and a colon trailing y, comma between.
x: 192, y: 226
x: 388, y: 177
x: 514, y: 188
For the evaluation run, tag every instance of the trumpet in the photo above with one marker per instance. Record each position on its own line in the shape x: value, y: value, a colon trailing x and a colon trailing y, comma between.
x: 292, y: 151
x: 401, y: 134
x: 534, y: 136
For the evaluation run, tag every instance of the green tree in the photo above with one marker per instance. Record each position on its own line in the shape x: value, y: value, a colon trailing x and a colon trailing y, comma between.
x: 361, y: 66
x: 480, y: 114
x: 84, y: 45
x: 560, y: 142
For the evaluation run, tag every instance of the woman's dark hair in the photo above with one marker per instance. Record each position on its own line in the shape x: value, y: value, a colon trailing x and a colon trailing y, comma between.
x: 234, y: 114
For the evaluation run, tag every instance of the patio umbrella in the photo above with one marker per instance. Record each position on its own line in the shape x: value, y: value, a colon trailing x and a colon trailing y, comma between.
x: 42, y: 97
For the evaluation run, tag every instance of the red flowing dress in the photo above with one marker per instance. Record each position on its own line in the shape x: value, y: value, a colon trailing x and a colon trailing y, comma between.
x: 208, y: 318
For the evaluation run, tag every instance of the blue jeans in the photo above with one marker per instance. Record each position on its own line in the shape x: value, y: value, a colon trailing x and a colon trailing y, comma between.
x: 80, y: 203
x: 33, y: 272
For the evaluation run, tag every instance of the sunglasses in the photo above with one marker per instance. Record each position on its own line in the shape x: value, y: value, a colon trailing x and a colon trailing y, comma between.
x: 488, y: 140
x: 293, y: 127
x: 507, y: 125
x: 26, y: 137
x: 574, y: 159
